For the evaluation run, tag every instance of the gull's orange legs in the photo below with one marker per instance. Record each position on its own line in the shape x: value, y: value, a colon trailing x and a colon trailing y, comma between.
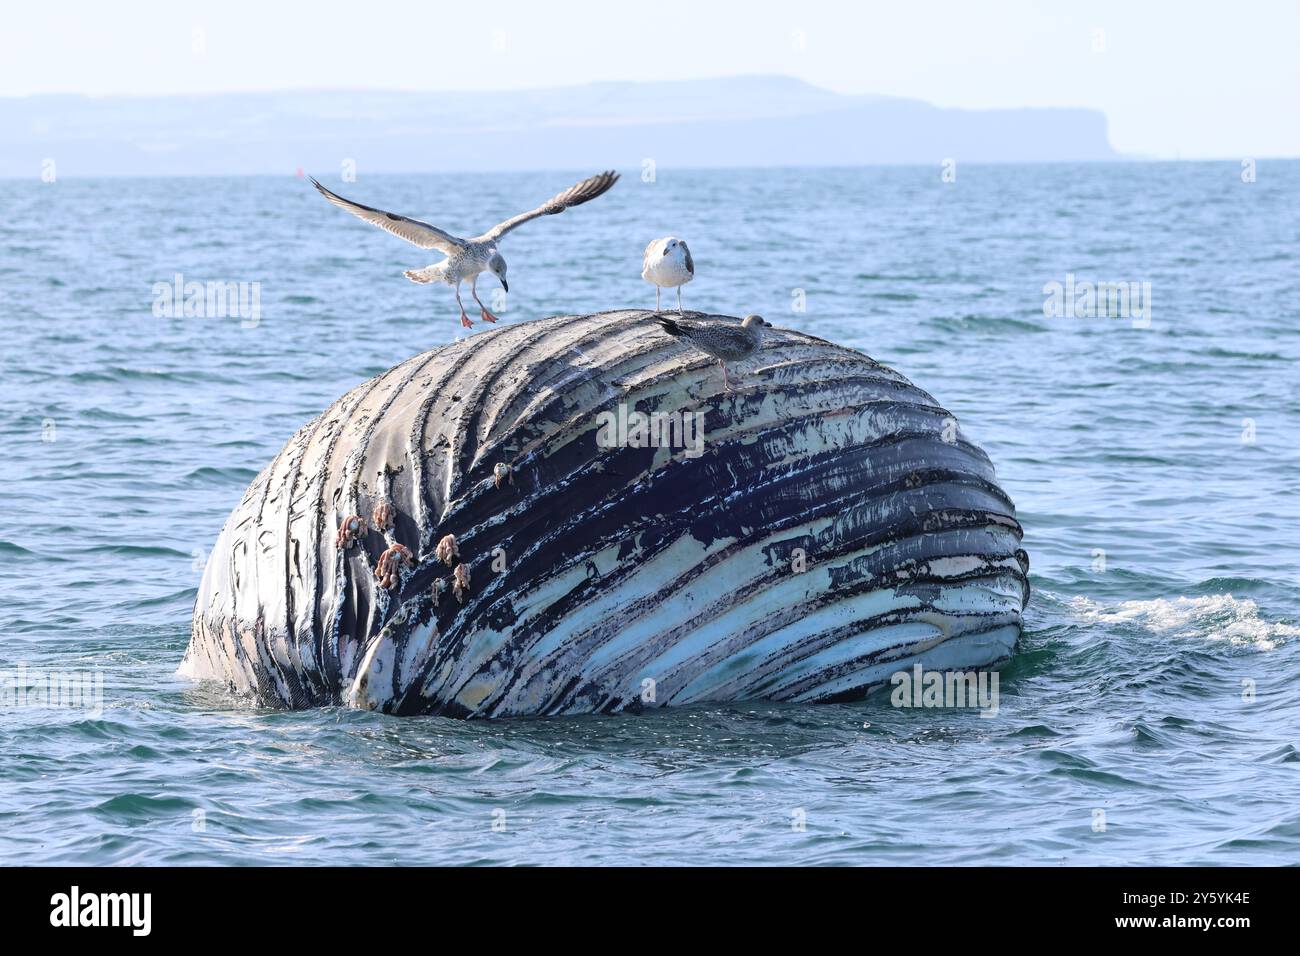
x: 464, y: 319
x: 473, y: 290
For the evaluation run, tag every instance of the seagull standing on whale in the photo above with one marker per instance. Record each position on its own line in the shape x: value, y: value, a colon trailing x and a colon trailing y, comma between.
x: 466, y: 258
x: 667, y: 264
x: 725, y: 342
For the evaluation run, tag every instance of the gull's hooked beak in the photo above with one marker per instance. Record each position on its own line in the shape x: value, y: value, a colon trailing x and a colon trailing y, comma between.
x: 505, y: 285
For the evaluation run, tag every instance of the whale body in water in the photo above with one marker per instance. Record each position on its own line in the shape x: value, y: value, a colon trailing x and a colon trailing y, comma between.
x: 572, y: 515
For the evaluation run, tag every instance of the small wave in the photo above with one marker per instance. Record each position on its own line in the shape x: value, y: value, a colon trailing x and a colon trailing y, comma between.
x: 98, y: 414
x: 1214, y: 617
x: 1283, y: 754
x: 988, y: 323
x: 209, y: 475
x: 118, y: 373
x: 185, y: 595
x: 136, y: 550
x: 1217, y: 352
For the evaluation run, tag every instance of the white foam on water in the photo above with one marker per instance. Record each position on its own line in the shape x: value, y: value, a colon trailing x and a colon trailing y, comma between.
x: 1218, y: 617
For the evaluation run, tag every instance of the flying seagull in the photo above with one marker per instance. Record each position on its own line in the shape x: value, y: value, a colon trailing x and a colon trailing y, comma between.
x: 725, y: 342
x: 466, y: 258
x: 667, y: 263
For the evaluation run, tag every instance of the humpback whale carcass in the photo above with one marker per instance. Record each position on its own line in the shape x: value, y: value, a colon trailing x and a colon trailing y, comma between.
x: 571, y: 516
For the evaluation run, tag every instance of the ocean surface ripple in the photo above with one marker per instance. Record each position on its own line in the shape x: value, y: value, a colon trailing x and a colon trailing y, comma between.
x: 1150, y: 716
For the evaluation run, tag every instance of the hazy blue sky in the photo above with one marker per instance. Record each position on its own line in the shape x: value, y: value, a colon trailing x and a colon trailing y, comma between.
x: 1196, y: 79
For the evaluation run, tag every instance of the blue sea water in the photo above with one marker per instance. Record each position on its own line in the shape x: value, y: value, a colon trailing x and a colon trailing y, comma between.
x: 1151, y: 714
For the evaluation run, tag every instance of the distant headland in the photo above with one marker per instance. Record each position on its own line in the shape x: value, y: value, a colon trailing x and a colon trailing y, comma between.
x: 732, y: 122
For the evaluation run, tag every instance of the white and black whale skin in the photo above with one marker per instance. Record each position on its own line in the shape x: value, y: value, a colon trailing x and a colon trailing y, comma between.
x: 612, y: 579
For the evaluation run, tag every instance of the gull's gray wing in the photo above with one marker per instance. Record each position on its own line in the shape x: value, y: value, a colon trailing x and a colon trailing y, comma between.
x: 584, y: 191
x: 412, y: 230
x: 690, y: 263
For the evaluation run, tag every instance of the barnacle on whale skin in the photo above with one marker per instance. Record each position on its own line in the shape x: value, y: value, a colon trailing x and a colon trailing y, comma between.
x: 461, y: 577
x: 447, y: 551
x: 383, y: 514
x: 352, y: 528
x: 388, y: 569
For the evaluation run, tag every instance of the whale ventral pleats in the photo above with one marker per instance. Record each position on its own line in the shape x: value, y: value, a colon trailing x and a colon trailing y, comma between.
x: 618, y: 530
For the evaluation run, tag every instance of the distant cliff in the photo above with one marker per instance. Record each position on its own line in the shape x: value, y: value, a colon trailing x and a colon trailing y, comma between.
x: 742, y: 121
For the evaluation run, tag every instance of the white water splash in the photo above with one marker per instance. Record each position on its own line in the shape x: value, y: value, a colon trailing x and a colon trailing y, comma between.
x: 1219, y: 617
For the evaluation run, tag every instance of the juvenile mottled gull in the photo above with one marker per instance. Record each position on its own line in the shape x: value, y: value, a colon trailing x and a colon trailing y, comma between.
x: 667, y: 264
x: 466, y: 258
x: 726, y: 343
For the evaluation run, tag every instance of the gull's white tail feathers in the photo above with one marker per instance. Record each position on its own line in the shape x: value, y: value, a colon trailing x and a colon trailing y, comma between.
x: 427, y: 274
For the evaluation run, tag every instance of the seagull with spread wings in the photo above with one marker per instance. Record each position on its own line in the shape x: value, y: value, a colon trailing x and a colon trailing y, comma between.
x: 466, y: 258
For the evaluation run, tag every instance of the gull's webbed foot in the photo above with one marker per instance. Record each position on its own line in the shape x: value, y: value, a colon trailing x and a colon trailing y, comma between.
x: 464, y: 320
x: 488, y: 316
